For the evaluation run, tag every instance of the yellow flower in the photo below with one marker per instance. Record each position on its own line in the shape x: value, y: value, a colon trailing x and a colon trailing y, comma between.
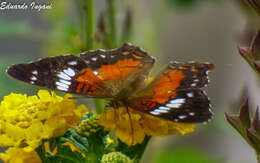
x: 17, y: 155
x: 26, y: 120
x: 132, y: 129
x: 110, y: 141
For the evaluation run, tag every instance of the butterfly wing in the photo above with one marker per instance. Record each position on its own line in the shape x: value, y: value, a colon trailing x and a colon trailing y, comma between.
x: 127, y: 66
x: 175, y: 93
x: 60, y: 73
x: 98, y: 74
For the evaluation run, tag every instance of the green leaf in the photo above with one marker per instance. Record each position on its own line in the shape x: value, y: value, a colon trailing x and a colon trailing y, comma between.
x: 53, y: 143
x: 66, y: 155
x: 77, y: 140
x: 134, y: 152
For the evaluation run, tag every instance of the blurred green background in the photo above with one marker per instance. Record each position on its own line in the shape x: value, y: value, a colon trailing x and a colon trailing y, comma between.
x: 179, y: 30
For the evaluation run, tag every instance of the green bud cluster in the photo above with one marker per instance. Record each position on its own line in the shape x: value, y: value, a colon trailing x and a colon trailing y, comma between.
x: 89, y: 126
x: 115, y: 157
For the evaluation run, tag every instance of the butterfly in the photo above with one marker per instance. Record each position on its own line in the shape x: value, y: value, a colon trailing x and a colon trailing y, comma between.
x: 121, y: 75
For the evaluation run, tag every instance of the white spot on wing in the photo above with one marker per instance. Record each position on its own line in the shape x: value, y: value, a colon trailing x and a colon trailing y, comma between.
x: 182, y: 116
x: 193, y: 84
x: 70, y: 72
x: 191, y: 113
x: 64, y: 76
x: 161, y: 111
x: 35, y: 72
x: 94, y: 58
x: 95, y: 72
x: 72, y: 63
x: 65, y: 82
x: 164, y: 108
x: 154, y: 113
x: 177, y: 101
x: 190, y: 94
x: 173, y: 105
x: 33, y: 78
x: 32, y: 82
x: 102, y: 56
x: 62, y: 88
x: 62, y: 84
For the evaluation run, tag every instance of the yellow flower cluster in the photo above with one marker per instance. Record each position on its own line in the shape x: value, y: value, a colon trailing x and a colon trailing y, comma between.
x: 131, y: 128
x: 17, y: 155
x: 26, y: 120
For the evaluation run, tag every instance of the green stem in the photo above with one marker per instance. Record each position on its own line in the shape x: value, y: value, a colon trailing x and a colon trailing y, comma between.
x: 88, y: 24
x: 112, y: 23
x: 127, y: 26
x: 88, y: 38
x: 100, y: 104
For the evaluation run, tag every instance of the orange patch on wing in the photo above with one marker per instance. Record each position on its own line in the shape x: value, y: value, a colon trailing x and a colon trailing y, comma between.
x: 86, y: 80
x: 118, y: 70
x: 126, y: 53
x: 79, y: 87
x: 183, y: 68
x: 87, y: 77
x: 166, y: 86
x: 138, y: 57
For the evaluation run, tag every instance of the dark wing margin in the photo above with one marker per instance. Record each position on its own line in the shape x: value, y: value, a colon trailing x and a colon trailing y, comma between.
x: 56, y: 73
x: 98, y: 58
x: 175, y: 93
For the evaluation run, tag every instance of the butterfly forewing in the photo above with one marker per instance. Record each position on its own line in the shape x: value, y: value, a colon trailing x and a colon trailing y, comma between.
x: 58, y: 73
x: 98, y: 74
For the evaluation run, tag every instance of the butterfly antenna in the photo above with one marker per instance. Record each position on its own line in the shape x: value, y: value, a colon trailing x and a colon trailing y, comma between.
x: 131, y: 123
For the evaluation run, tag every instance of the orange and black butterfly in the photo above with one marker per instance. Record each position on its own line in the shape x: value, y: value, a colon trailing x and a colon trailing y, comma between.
x: 121, y: 75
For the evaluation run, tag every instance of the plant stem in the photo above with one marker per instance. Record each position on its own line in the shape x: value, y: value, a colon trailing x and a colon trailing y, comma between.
x: 258, y: 158
x: 88, y: 24
x: 88, y: 38
x: 112, y: 23
x: 100, y: 104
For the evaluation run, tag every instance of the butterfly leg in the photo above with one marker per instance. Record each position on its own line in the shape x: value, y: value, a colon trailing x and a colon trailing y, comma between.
x: 131, y: 123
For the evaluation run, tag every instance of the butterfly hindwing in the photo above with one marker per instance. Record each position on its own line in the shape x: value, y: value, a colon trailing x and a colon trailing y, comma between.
x: 191, y: 106
x: 175, y: 93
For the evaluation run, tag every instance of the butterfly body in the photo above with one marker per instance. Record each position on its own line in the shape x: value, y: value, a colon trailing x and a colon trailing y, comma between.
x: 121, y: 75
